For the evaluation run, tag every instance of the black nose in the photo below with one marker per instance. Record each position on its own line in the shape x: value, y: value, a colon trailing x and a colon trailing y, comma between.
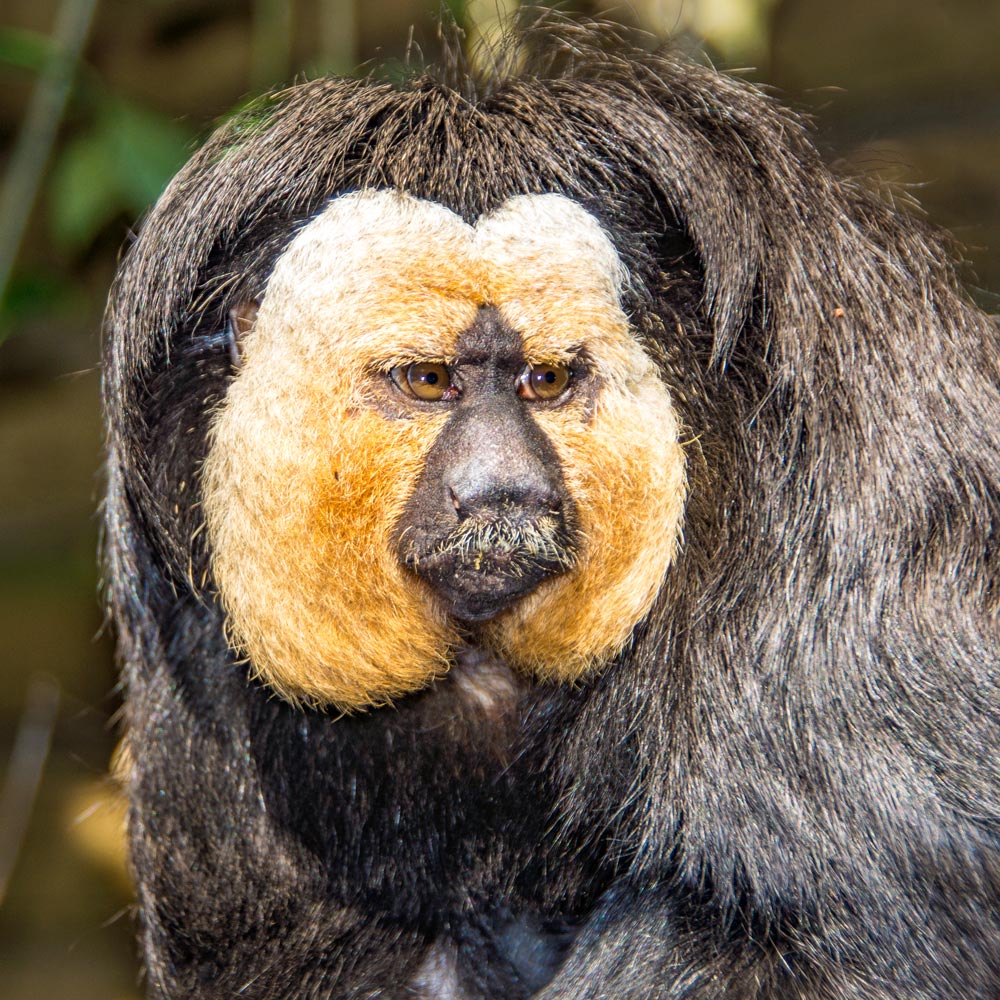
x: 489, y: 519
x: 502, y: 466
x: 498, y: 498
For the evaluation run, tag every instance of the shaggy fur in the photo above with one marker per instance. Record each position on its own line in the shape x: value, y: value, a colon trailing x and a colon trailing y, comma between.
x: 786, y: 783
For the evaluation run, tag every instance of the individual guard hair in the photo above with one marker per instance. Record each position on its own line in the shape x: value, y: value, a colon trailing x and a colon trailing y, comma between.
x: 552, y: 532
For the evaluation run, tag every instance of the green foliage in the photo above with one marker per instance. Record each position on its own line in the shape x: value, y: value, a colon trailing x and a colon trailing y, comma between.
x: 112, y: 161
x: 117, y: 165
x: 34, y: 292
x: 456, y: 8
x: 24, y: 49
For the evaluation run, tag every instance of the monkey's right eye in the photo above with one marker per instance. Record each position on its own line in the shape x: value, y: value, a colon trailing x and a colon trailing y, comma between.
x: 426, y: 380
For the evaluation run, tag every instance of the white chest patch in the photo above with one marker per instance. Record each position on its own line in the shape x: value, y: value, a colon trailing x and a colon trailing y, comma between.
x: 437, y: 977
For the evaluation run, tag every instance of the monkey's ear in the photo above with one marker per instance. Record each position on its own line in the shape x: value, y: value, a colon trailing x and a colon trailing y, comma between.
x: 240, y: 322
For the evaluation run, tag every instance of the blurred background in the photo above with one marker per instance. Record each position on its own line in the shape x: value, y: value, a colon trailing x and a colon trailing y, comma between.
x: 100, y: 102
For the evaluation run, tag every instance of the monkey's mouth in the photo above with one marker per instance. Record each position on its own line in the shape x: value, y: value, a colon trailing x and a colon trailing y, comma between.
x: 483, y: 566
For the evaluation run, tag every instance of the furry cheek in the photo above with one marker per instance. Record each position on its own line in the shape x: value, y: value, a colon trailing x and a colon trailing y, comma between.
x: 299, y: 502
x: 625, y: 469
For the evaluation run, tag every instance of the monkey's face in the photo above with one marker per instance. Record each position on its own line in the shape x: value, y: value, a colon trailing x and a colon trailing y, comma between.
x: 440, y: 430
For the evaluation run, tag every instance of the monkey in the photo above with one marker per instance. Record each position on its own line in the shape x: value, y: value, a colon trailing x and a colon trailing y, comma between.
x: 551, y: 529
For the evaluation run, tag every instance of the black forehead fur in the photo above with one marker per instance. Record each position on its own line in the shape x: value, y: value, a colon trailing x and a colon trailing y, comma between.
x: 841, y: 398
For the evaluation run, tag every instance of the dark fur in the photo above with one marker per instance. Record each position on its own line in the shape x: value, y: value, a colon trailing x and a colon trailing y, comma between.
x: 787, y: 786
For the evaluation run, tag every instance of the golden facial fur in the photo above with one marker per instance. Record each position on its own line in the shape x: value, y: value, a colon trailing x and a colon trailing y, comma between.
x: 310, y: 468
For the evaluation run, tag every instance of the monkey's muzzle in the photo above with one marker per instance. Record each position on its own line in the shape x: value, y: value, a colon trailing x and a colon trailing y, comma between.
x: 483, y: 565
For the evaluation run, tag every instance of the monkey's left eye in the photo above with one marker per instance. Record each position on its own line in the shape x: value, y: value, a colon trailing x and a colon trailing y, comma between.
x: 544, y: 381
x: 427, y: 380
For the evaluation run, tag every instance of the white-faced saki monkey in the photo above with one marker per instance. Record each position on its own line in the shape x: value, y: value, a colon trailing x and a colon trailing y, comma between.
x: 552, y: 529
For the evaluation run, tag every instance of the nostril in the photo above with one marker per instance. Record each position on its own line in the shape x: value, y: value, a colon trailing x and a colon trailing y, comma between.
x: 521, y: 499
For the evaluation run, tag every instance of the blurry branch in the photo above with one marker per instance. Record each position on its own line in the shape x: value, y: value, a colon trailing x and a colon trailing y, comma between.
x: 272, y: 43
x: 339, y: 36
x: 24, y: 772
x: 38, y: 132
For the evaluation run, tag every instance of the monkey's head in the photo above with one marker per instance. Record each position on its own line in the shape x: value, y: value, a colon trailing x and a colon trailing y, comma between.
x: 470, y: 331
x: 439, y: 430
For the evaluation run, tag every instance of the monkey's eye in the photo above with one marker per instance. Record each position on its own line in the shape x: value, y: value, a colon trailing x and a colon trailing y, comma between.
x: 543, y: 381
x: 427, y: 380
